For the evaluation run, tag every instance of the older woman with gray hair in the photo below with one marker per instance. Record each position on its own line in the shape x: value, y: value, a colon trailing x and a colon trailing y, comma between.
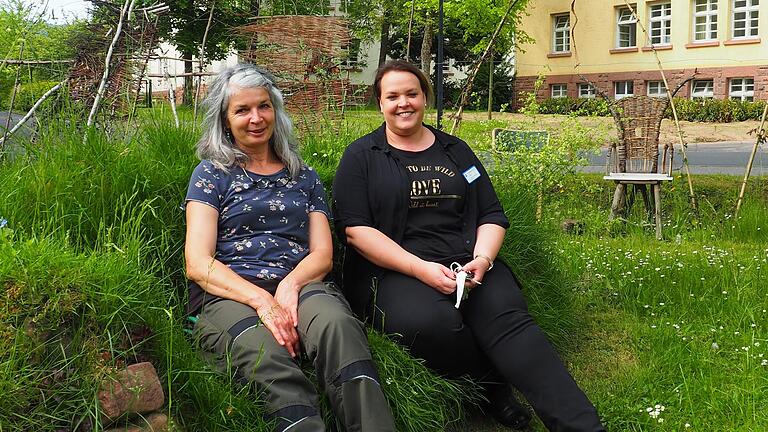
x: 258, y: 246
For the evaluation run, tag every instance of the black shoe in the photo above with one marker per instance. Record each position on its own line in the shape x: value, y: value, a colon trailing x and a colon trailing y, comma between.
x: 505, y: 408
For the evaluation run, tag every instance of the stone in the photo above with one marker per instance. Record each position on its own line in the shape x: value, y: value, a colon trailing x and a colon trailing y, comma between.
x: 573, y: 226
x: 136, y: 389
x: 155, y: 422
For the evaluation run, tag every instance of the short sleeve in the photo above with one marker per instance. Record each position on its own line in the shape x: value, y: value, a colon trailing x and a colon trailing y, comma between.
x: 318, y: 201
x: 205, y: 185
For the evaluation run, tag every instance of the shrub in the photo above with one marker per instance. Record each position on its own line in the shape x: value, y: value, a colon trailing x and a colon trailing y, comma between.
x: 706, y: 110
x: 29, y: 93
x: 557, y: 105
x: 716, y: 110
x: 581, y: 107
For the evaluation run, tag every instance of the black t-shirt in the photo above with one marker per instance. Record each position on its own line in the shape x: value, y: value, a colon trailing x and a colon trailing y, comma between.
x: 434, y: 228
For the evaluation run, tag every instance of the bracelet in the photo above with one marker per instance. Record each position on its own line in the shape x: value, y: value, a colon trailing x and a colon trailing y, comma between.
x: 485, y: 257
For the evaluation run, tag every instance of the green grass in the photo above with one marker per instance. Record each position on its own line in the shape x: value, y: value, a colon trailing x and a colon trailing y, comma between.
x: 680, y: 323
x: 92, y: 279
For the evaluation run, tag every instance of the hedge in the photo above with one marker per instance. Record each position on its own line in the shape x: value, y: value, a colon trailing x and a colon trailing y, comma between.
x: 706, y: 110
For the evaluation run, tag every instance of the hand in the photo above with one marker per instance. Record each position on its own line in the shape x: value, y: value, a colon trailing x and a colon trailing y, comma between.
x: 435, y: 275
x: 287, y: 295
x: 478, y: 267
x: 278, y: 322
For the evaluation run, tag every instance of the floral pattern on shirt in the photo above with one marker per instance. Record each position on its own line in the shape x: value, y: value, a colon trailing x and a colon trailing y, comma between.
x: 263, y: 229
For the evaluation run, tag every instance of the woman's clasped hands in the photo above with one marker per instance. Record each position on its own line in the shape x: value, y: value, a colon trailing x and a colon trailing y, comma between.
x: 443, y: 279
x: 278, y: 321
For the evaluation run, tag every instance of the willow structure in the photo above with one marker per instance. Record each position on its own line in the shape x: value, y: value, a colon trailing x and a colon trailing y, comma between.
x: 126, y: 65
x: 307, y: 55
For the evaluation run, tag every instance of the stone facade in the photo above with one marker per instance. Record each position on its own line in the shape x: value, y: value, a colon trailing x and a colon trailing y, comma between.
x: 604, y: 81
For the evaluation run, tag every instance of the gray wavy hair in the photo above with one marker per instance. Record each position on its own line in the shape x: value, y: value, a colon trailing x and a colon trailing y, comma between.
x: 218, y: 146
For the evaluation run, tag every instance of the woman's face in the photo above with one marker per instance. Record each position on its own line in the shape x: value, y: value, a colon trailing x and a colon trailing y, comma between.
x: 402, y: 102
x: 250, y: 117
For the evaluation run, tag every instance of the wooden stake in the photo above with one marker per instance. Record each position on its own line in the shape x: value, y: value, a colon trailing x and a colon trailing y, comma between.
x: 124, y: 16
x: 761, y: 138
x: 172, y: 95
x: 13, y: 95
x: 410, y: 28
x: 683, y: 144
x: 470, y: 80
x: 202, y: 61
x: 490, y: 88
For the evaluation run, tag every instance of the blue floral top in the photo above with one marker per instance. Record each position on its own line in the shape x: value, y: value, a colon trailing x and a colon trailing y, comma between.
x: 263, y: 229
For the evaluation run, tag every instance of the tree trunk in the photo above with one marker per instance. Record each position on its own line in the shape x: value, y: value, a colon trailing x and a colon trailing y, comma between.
x: 384, y: 50
x: 426, y: 46
x: 189, y: 86
x: 255, y: 10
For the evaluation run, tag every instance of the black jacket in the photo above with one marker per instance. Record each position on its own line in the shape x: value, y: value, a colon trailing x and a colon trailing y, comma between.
x: 371, y: 189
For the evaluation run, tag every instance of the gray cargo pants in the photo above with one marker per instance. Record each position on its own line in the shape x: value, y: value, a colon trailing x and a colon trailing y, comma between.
x: 332, y: 338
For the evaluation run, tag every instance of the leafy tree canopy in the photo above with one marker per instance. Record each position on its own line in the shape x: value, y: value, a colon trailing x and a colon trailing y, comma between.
x: 468, y: 24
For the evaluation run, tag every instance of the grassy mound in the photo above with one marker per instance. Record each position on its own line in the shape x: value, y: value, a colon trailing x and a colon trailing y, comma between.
x: 95, y: 282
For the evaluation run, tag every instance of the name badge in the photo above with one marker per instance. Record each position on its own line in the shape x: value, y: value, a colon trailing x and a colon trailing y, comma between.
x: 471, y: 174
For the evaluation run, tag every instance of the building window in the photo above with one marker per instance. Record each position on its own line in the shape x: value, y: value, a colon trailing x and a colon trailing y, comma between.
x: 742, y: 89
x: 353, y: 53
x: 661, y: 24
x: 703, y: 89
x: 704, y: 20
x: 561, y: 33
x: 626, y: 28
x: 559, y: 90
x: 623, y: 89
x: 657, y: 89
x: 745, y: 18
x: 586, y: 91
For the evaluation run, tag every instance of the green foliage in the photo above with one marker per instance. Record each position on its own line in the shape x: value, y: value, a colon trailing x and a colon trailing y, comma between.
x: 469, y: 24
x: 705, y: 110
x: 478, y: 100
x: 673, y: 322
x: 580, y: 107
x: 29, y: 93
x: 97, y: 260
x: 185, y: 23
x: 19, y: 24
x: 717, y: 110
x: 419, y: 399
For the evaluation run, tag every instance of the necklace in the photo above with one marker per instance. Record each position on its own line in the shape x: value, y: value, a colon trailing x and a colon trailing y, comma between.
x: 246, y: 174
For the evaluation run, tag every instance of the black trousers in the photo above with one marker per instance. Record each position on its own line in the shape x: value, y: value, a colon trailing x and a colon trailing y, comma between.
x: 491, y: 335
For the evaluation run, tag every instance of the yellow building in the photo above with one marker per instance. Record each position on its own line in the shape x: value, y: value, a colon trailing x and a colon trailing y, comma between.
x: 609, y: 43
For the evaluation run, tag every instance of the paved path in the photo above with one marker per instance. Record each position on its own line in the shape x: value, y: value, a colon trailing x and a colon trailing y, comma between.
x: 13, y: 146
x: 728, y: 157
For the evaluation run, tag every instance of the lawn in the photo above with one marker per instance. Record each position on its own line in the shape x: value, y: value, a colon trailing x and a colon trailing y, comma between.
x: 662, y: 335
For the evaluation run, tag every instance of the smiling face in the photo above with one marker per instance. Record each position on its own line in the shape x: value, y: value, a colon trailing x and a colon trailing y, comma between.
x: 402, y: 102
x: 250, y: 117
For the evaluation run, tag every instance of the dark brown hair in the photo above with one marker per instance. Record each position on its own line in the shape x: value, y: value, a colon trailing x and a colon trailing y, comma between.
x: 402, y: 66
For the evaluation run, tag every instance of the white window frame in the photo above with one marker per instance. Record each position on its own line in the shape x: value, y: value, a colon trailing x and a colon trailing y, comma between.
x: 622, y: 89
x: 656, y: 89
x: 748, y: 13
x: 561, y: 92
x: 660, y: 23
x: 704, y: 20
x: 586, y: 91
x: 561, y: 33
x: 626, y: 24
x: 742, y: 89
x: 703, y: 89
